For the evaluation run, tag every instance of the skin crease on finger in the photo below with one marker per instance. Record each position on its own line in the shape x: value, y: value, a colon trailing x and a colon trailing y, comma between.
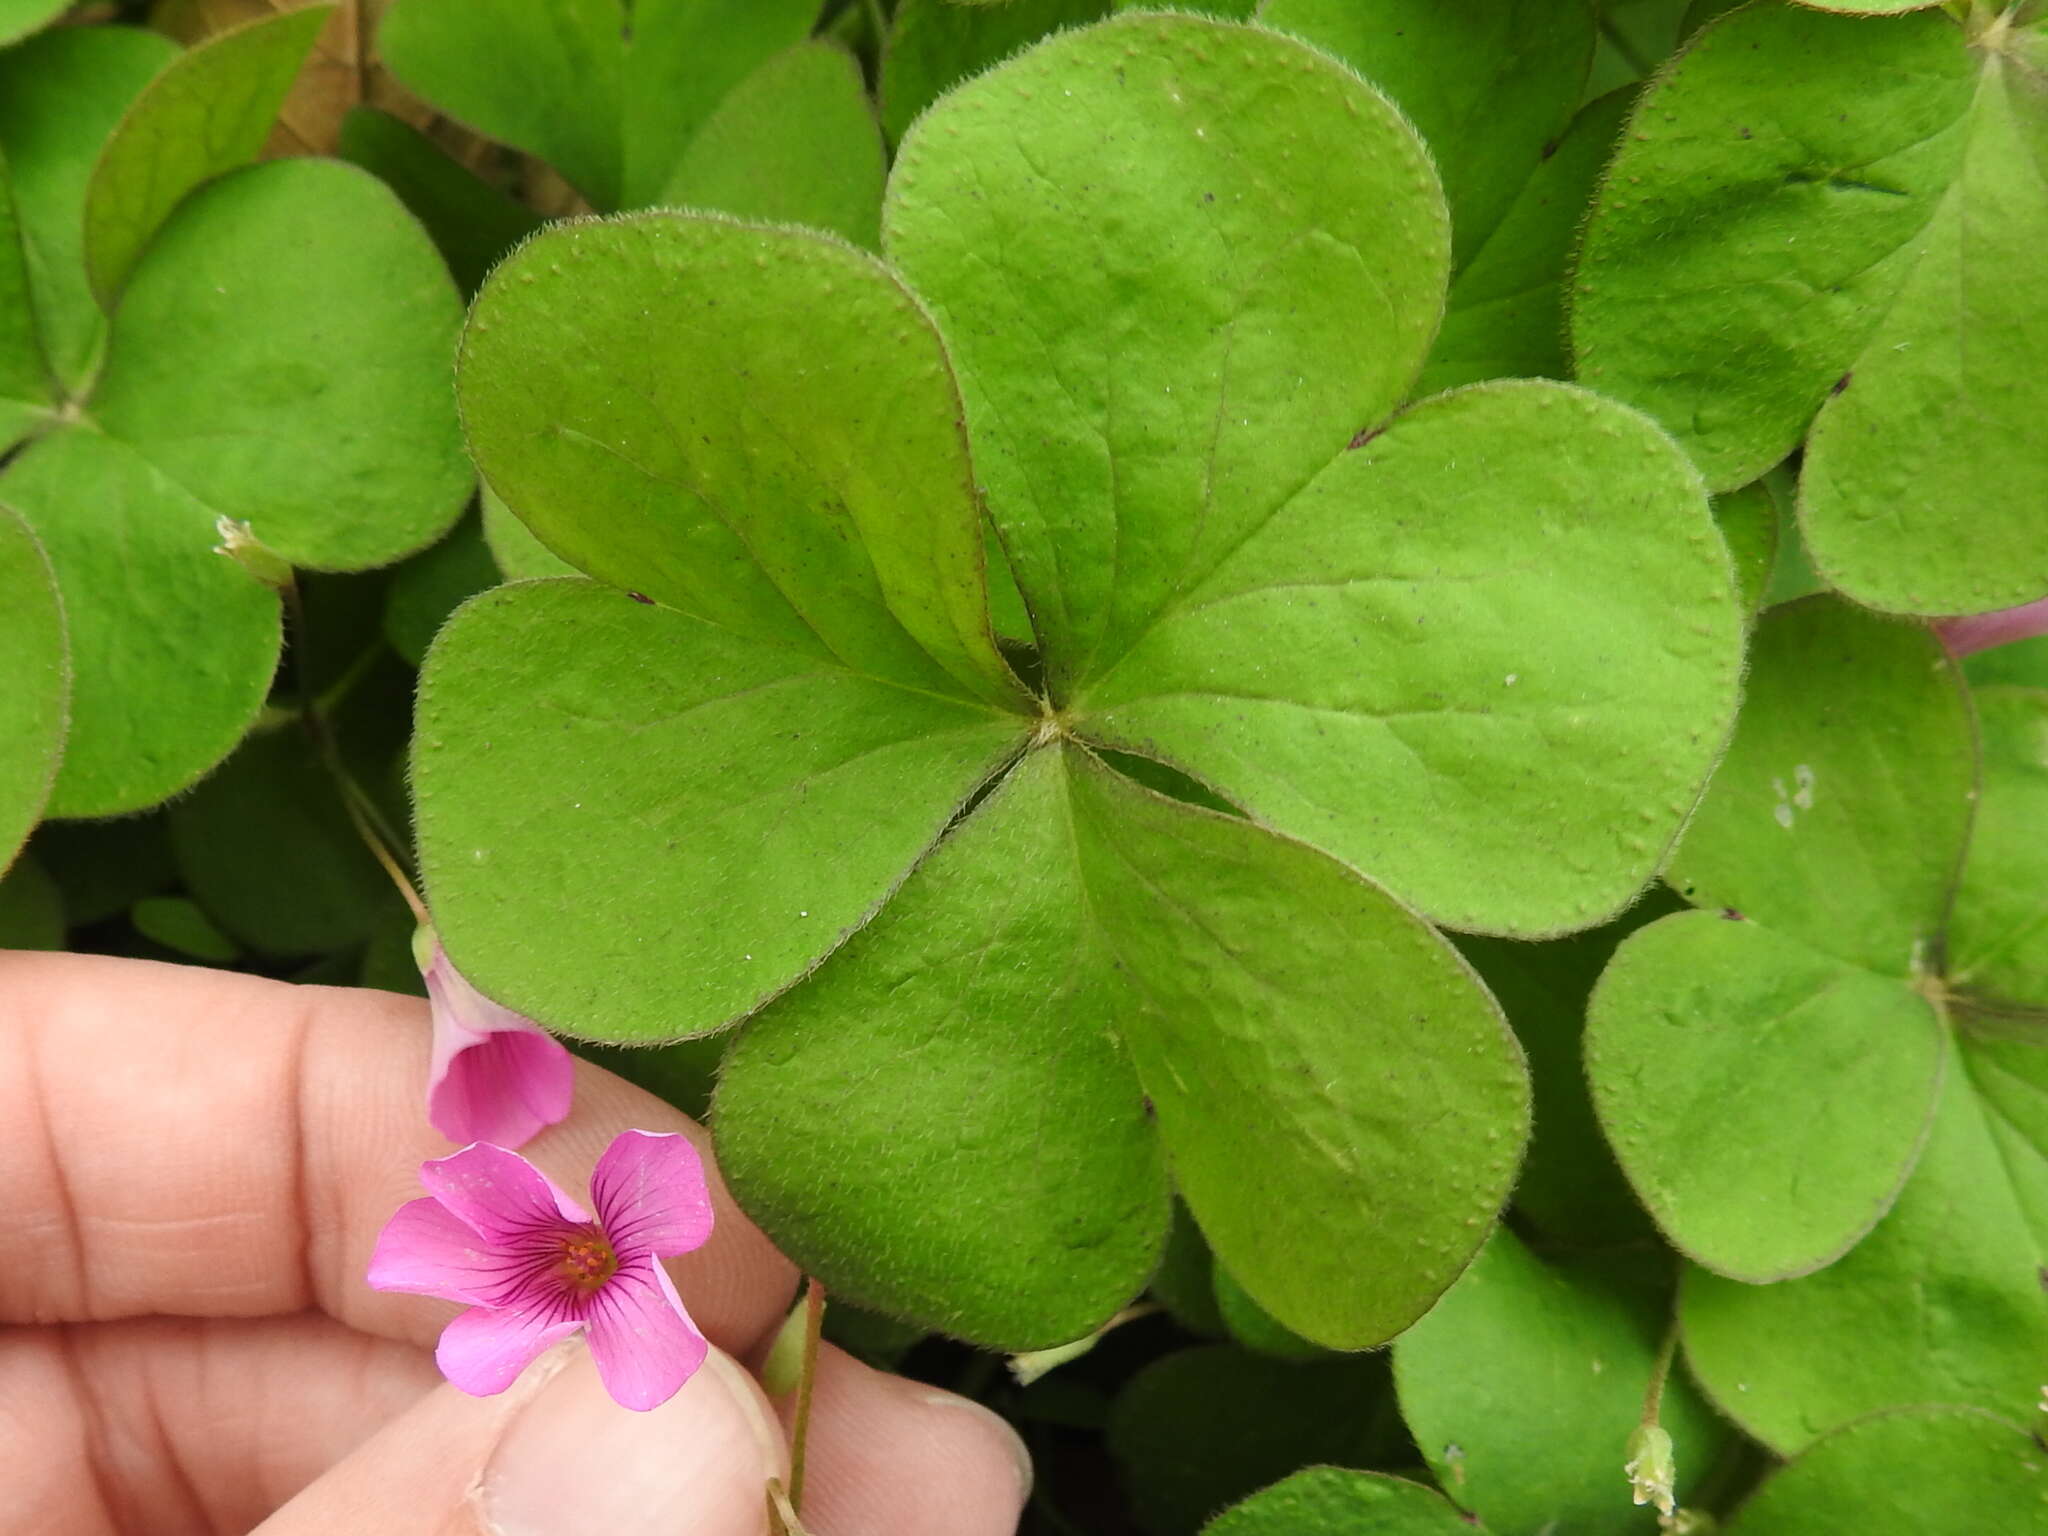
x: 226, y: 1150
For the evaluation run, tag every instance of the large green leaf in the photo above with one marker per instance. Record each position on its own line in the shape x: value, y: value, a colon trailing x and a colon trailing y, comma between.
x: 1766, y: 1100
x: 1489, y: 85
x: 61, y: 95
x: 796, y: 142
x: 1925, y: 474
x: 208, y: 111
x: 1940, y: 1303
x: 282, y: 354
x: 607, y: 92
x: 36, y: 700
x: 941, y: 1123
x: 753, y: 425
x: 1928, y: 1471
x: 1488, y: 656
x: 933, y: 45
x: 1330, y: 1081
x: 1760, y: 219
x: 1331, y: 1501
x: 1505, y: 317
x: 1524, y: 1382
x: 1178, y: 264
x: 172, y: 646
x: 637, y: 825
x: 1840, y: 814
x: 1998, y: 933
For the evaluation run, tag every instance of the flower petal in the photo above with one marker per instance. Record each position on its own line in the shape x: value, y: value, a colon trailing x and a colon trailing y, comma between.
x: 644, y: 1343
x: 504, y: 1086
x: 425, y: 1249
x: 483, y: 1351
x: 650, y: 1195
x: 500, y: 1194
x: 495, y: 1075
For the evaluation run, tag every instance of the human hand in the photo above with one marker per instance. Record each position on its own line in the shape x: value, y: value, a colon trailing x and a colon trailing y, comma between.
x: 197, y: 1165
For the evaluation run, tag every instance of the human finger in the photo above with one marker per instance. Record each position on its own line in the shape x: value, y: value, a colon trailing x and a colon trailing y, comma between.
x: 892, y: 1457
x: 186, y: 1425
x: 203, y: 1143
x: 555, y: 1454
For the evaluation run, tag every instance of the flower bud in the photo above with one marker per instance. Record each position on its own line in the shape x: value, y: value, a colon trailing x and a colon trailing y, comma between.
x: 1651, y: 1468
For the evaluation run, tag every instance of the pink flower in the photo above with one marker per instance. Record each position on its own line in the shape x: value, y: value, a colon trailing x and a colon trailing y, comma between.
x: 534, y: 1266
x: 496, y: 1075
x: 1980, y: 631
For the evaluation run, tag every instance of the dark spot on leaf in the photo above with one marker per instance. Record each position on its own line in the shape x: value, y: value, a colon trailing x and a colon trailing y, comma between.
x: 1842, y: 383
x: 1365, y: 436
x: 1731, y: 914
x: 641, y: 597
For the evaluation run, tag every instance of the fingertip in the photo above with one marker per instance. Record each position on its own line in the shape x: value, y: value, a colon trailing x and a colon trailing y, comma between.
x: 892, y: 1457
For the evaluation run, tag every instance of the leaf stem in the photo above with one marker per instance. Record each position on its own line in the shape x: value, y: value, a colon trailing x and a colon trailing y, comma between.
x: 800, y: 1423
x: 1653, y: 1395
x: 363, y: 813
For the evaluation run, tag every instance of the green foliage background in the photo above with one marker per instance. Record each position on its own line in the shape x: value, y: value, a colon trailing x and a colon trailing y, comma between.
x: 1266, y: 677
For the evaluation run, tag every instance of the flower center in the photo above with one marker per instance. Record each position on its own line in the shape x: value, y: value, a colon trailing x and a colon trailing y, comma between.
x: 587, y: 1262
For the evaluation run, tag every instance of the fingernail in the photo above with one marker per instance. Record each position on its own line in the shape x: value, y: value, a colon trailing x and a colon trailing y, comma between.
x: 575, y: 1461
x: 1006, y: 1433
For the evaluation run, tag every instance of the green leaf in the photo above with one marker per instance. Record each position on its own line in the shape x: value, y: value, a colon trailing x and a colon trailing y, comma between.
x: 796, y: 142
x: 1185, y: 1284
x: 177, y: 923
x: 1940, y: 1303
x: 172, y: 645
x: 35, y: 704
x: 1760, y: 219
x: 1161, y: 343
x: 756, y: 426
x: 208, y: 111
x: 18, y: 18
x: 1998, y: 932
x: 1766, y: 1100
x: 2022, y: 663
x: 282, y: 354
x: 61, y: 95
x: 635, y: 825
x: 1925, y: 475
x: 1840, y: 813
x: 267, y: 849
x: 520, y: 556
x: 1570, y: 1188
x: 1930, y: 1471
x: 1253, y: 1326
x: 933, y: 45
x: 472, y: 223
x: 607, y: 93
x: 31, y: 911
x: 1488, y: 87
x: 433, y: 584
x: 1749, y: 519
x: 1523, y: 1385
x: 1488, y: 656
x: 1328, y: 1077
x: 958, y: 1058
x: 25, y: 383
x: 1330, y: 1501
x: 1200, y: 1429
x: 1506, y: 310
